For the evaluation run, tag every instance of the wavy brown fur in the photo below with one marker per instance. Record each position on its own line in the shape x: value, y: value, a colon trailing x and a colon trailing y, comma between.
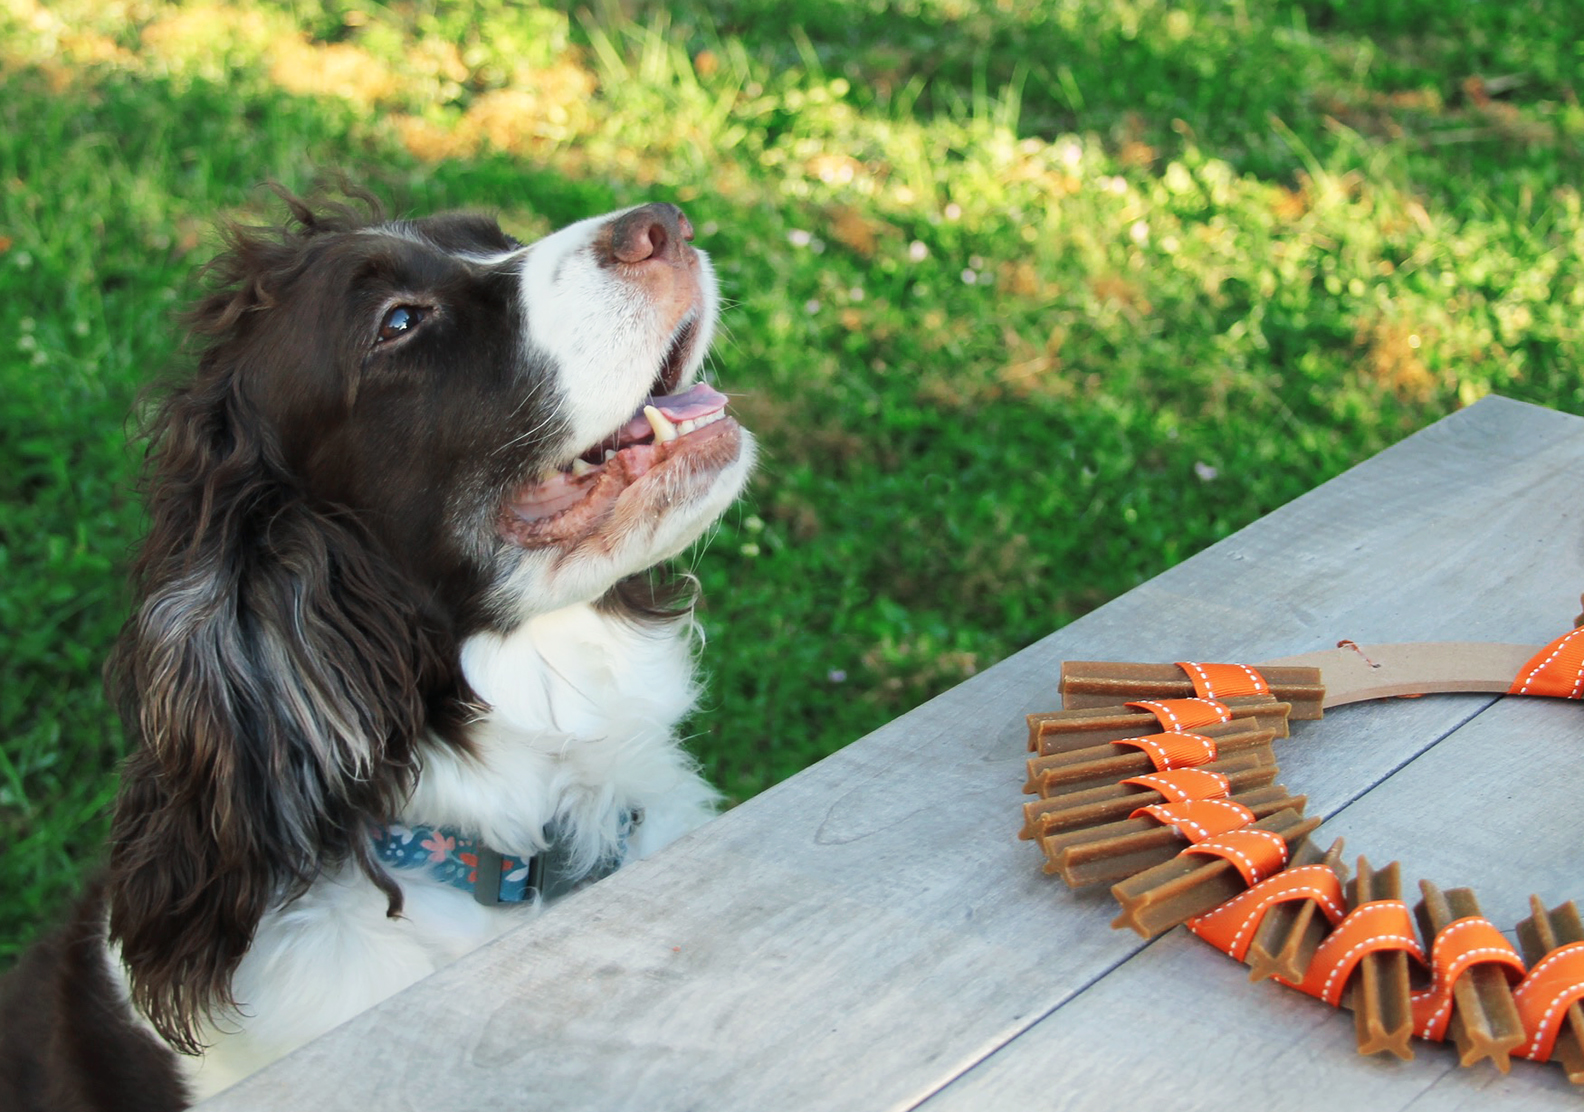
x: 276, y: 677
x: 72, y: 1049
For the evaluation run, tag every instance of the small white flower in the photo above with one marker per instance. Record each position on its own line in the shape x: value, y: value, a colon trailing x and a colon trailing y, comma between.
x: 1139, y: 233
x: 797, y: 237
x: 969, y: 277
x: 953, y: 211
x: 917, y: 252
x: 1205, y: 471
x: 855, y: 294
x: 811, y: 306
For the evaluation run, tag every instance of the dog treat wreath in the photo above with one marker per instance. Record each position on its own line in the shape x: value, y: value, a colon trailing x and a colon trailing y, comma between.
x: 1145, y: 757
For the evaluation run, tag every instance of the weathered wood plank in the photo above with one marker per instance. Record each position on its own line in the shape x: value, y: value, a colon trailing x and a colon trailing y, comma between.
x: 865, y: 932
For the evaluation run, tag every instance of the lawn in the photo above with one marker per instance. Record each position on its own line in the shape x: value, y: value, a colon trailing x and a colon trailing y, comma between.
x: 1028, y: 299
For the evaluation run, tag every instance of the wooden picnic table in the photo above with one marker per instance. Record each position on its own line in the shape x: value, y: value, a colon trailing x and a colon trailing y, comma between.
x: 871, y: 934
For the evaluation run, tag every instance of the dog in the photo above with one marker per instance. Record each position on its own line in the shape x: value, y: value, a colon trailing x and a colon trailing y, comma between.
x: 399, y: 668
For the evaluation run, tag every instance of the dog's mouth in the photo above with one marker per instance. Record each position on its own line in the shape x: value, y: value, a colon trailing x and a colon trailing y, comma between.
x: 668, y: 430
x: 679, y: 353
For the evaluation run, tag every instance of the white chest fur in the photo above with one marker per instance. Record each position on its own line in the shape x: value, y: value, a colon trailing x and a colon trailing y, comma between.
x: 583, y: 709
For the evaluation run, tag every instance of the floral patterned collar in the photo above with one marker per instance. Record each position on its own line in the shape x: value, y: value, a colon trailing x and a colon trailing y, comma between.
x: 492, y: 877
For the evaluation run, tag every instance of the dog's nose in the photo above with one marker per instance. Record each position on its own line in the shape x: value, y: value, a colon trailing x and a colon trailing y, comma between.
x: 653, y: 231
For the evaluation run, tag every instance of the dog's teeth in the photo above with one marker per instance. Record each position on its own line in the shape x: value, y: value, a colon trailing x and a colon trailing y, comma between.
x: 664, y: 430
x: 581, y: 467
x: 695, y: 423
x: 610, y: 454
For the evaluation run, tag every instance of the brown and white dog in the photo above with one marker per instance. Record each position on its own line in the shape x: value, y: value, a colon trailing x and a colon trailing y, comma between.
x: 396, y: 644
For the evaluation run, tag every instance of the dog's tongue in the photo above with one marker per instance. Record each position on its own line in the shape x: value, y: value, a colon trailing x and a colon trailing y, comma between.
x: 698, y: 400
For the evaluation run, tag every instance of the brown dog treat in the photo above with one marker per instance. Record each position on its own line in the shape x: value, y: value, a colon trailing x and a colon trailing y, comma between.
x: 1538, y: 935
x: 1113, y: 801
x: 1113, y: 851
x: 1061, y: 730
x: 1291, y: 931
x: 1159, y: 898
x: 1078, y: 769
x: 1378, y: 991
x: 1485, y: 1022
x: 1095, y: 683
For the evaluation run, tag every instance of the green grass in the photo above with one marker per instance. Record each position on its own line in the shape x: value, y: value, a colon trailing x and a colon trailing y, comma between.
x: 1029, y: 300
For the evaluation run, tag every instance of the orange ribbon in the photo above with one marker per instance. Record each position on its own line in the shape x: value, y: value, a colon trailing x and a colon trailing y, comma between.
x: 1257, y: 854
x: 1223, y: 681
x: 1556, y: 670
x: 1177, y: 715
x: 1199, y: 820
x: 1368, y: 929
x: 1461, y: 944
x: 1556, y: 981
x: 1177, y: 785
x: 1230, y: 928
x: 1169, y: 751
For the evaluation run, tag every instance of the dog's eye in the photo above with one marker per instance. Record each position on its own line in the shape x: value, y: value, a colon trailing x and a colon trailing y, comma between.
x: 400, y: 321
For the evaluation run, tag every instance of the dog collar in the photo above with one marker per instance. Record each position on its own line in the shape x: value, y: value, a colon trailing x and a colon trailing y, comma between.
x: 493, y: 877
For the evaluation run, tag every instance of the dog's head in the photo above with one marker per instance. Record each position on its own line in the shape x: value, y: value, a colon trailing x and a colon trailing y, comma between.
x: 480, y: 404
x: 399, y: 432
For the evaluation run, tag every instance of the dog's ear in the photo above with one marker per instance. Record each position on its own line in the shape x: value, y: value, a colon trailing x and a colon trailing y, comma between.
x: 275, y: 679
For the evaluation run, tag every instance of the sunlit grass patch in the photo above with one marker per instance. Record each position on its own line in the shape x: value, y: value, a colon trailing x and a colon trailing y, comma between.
x: 1028, y: 300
